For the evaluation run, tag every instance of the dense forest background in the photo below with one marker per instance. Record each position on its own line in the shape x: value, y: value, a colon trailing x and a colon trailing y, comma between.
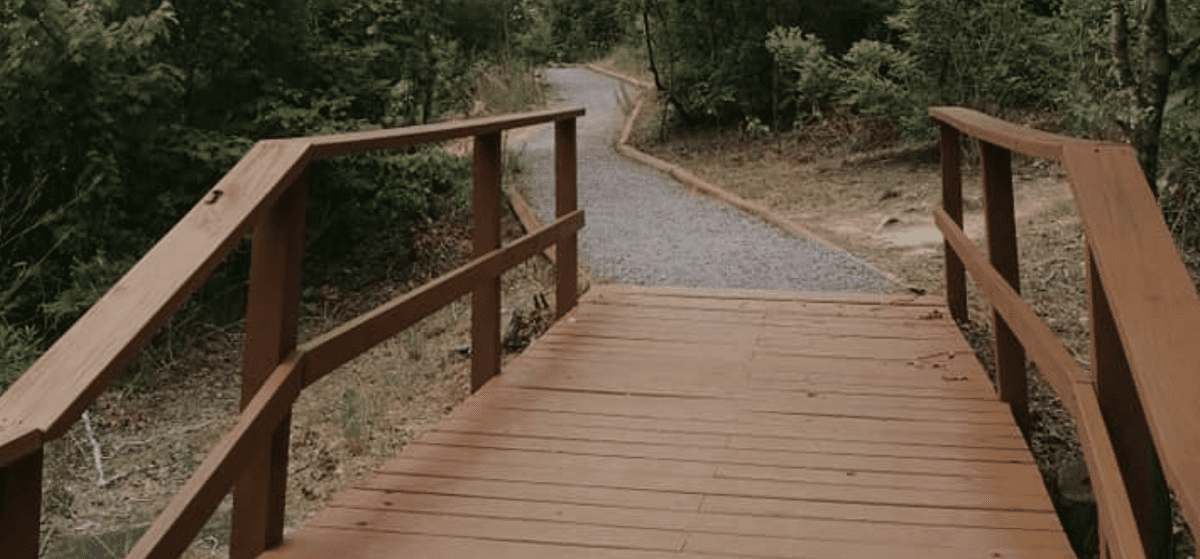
x: 1112, y: 69
x: 117, y: 115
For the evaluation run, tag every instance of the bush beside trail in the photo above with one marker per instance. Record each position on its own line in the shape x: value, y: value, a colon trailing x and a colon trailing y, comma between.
x: 116, y: 116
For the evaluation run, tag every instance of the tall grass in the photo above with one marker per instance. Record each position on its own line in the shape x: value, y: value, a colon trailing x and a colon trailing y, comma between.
x: 509, y: 87
x: 629, y: 58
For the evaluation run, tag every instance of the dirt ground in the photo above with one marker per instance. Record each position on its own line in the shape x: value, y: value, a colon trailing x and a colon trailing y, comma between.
x: 875, y: 198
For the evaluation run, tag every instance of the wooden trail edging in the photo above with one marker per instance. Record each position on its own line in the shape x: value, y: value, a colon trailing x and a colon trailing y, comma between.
x: 697, y: 184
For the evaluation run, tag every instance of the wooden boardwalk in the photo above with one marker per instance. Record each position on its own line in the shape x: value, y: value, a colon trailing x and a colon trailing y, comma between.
x: 661, y: 422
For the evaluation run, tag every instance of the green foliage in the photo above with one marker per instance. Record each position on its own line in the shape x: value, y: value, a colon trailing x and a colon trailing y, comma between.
x: 89, y: 280
x: 880, y: 79
x: 1099, y: 102
x: 716, y: 67
x: 990, y: 53
x: 354, y: 198
x: 117, y: 115
x: 1181, y: 154
x: 584, y: 29
x: 815, y: 74
x: 508, y: 87
x: 872, y: 78
x: 755, y: 128
x: 82, y: 98
x: 19, y: 347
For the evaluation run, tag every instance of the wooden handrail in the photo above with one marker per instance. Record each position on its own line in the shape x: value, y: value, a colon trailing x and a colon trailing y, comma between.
x: 1139, y: 409
x: 330, y: 350
x: 53, y: 393
x: 264, y: 191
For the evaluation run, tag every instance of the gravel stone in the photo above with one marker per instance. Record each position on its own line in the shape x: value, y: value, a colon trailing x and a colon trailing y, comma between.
x: 644, y: 228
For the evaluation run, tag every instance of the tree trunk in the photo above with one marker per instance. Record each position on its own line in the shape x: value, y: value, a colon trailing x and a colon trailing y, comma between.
x: 1149, y: 85
x: 687, y: 118
x: 650, y: 46
x: 1154, y: 88
x: 1119, y: 47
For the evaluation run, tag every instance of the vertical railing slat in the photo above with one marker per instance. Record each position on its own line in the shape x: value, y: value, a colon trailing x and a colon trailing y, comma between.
x: 1000, y: 214
x: 272, y: 316
x: 565, y: 202
x: 1126, y: 423
x: 485, y: 300
x: 952, y: 204
x: 21, y: 507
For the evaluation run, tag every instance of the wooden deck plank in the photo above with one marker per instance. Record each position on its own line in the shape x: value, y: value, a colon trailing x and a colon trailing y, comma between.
x: 671, y: 477
x: 654, y: 423
x: 855, y: 429
x: 844, y: 470
x: 732, y: 465
x: 581, y: 439
x: 715, y: 523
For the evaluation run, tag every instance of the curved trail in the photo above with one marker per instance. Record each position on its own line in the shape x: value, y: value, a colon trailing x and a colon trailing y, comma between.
x: 644, y: 228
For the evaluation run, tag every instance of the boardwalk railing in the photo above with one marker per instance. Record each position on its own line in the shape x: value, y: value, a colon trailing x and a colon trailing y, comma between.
x: 264, y: 193
x: 1138, y: 415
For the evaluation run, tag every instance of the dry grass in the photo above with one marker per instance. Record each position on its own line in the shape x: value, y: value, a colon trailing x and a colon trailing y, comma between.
x: 345, y: 424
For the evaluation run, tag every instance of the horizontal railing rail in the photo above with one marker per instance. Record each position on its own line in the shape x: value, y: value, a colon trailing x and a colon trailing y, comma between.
x: 264, y: 192
x: 1136, y: 415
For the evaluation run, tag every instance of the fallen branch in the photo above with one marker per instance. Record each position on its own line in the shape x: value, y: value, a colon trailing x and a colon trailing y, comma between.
x: 180, y: 431
x: 87, y: 425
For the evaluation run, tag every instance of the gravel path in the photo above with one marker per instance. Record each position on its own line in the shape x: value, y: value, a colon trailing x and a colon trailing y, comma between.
x: 643, y: 228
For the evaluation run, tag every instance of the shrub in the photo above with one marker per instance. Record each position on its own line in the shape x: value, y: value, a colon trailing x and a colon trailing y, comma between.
x: 19, y: 347
x: 815, y: 74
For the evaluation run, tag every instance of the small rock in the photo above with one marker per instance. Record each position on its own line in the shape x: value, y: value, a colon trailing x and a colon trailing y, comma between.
x: 891, y: 193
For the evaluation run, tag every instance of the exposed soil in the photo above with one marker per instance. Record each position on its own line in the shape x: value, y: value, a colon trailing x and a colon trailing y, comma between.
x: 878, y: 205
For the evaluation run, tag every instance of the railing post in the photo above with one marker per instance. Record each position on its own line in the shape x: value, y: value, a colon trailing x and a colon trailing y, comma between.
x: 21, y: 507
x: 952, y: 204
x: 272, y: 315
x: 1002, y: 250
x: 1126, y: 423
x: 565, y: 202
x: 485, y: 300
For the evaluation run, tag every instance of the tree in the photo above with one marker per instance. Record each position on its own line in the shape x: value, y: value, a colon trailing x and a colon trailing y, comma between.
x: 711, y: 60
x: 1148, y: 86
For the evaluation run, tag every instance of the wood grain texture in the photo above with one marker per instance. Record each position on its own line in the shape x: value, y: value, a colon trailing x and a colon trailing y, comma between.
x: 1153, y: 303
x: 632, y: 455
